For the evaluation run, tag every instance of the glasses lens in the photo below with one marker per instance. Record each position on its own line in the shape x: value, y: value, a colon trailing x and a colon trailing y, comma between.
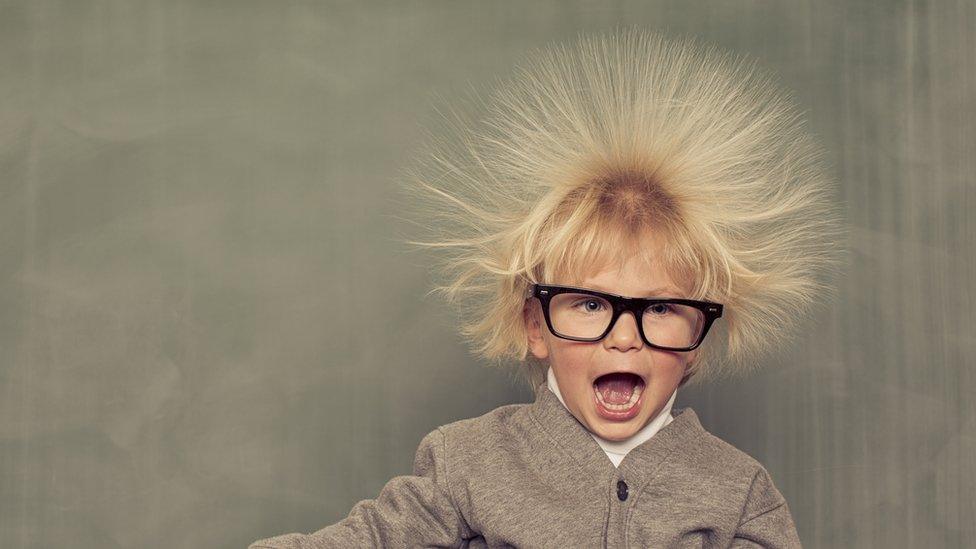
x: 579, y: 315
x: 586, y: 316
x: 673, y: 324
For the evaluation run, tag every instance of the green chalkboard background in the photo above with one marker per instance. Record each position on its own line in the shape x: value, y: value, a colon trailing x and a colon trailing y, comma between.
x: 209, y: 333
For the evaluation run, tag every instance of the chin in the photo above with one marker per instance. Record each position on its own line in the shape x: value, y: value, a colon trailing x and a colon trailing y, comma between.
x: 616, y: 435
x: 616, y: 431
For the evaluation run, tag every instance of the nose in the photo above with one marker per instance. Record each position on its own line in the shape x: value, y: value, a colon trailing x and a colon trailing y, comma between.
x: 624, y: 334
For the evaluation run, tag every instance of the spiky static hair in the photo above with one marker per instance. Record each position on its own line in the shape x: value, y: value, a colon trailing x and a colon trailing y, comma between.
x: 588, y: 148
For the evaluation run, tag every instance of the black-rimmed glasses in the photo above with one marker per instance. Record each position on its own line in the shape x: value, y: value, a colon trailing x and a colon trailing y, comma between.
x: 581, y: 314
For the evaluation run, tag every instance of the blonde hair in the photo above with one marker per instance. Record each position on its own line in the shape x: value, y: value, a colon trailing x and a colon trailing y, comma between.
x: 588, y: 148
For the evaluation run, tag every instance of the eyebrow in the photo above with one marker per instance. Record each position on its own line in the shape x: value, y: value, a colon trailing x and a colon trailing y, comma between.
x: 649, y: 293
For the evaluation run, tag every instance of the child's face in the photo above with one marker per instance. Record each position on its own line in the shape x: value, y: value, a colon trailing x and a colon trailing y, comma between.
x: 576, y: 364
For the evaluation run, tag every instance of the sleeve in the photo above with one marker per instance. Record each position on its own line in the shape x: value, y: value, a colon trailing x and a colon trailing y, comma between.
x: 410, y: 510
x: 766, y: 520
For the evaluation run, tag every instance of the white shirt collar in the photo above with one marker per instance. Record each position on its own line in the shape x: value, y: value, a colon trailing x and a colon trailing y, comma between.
x: 616, y: 450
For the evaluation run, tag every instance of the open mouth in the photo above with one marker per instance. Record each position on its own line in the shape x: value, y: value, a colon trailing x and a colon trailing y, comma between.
x: 618, y: 394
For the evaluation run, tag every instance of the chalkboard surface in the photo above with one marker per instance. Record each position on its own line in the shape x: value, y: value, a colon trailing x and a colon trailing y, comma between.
x: 209, y: 333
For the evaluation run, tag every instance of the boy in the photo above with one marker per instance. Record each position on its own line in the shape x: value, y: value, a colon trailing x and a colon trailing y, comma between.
x: 624, y: 196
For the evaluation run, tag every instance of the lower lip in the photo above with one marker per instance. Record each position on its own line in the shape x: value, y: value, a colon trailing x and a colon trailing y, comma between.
x: 614, y: 415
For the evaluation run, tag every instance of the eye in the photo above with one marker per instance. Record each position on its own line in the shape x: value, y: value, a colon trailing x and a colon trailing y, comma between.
x: 590, y: 305
x: 659, y: 309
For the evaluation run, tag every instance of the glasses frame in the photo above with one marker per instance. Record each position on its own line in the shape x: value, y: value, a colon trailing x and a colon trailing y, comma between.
x: 621, y: 304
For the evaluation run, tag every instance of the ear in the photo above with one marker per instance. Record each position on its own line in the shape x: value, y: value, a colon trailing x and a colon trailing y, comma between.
x: 531, y: 313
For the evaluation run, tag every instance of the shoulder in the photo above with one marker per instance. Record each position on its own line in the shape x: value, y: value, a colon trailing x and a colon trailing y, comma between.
x: 726, y: 478
x: 714, y: 456
x: 497, y: 422
x: 490, y: 437
x: 728, y: 456
x: 722, y: 462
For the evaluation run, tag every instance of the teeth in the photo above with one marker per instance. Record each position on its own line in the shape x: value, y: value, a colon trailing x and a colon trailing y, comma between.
x: 620, y: 407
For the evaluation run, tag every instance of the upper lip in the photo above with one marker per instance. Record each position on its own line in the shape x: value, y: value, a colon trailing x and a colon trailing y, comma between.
x: 621, y: 371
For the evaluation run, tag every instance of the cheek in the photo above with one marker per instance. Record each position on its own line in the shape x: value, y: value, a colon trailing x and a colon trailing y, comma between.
x: 575, y: 354
x: 572, y: 362
x: 668, y: 367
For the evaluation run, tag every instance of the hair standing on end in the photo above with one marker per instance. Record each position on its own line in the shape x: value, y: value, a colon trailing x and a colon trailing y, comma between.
x: 589, y: 148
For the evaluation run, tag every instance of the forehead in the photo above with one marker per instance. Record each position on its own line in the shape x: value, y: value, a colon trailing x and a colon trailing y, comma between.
x: 620, y: 259
x: 635, y: 278
x: 637, y: 269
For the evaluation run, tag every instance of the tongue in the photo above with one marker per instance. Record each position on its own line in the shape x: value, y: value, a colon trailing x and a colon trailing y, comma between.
x: 616, y: 388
